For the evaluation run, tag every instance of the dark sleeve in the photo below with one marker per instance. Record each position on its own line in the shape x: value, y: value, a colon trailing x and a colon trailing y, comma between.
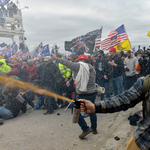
x: 123, y: 101
x: 24, y: 108
x: 105, y: 66
x: 120, y: 64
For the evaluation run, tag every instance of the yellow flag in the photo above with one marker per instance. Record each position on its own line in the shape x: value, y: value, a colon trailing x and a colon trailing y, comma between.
x: 123, y: 46
x: 148, y: 34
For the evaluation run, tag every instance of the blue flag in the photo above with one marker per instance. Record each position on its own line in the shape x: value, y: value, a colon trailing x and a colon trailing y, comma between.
x: 52, y: 51
x: 7, y: 55
x: 133, y: 49
x: 36, y: 53
x: 45, y: 50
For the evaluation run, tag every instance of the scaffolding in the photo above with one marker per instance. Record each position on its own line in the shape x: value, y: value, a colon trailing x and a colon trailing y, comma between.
x: 11, y: 24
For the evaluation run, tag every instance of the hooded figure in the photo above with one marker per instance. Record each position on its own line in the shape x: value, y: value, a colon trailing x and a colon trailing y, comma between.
x: 131, y: 74
x: 3, y: 66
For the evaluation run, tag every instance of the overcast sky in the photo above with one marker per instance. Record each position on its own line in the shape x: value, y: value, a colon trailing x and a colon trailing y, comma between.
x: 53, y: 22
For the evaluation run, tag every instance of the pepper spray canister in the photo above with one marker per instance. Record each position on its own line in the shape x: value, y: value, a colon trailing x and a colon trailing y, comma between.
x: 76, y: 111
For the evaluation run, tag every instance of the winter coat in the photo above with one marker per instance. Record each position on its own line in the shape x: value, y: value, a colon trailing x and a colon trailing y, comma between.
x: 4, y: 67
x: 48, y: 78
x: 31, y: 71
x: 130, y: 63
x: 15, y: 70
x: 106, y: 68
x: 116, y: 71
x: 13, y: 104
x: 91, y: 88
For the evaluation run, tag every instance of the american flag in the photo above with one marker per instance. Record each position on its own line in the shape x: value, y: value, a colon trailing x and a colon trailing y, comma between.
x: 98, y: 39
x: 80, y: 40
x: 26, y: 54
x: 109, y: 42
x: 120, y: 31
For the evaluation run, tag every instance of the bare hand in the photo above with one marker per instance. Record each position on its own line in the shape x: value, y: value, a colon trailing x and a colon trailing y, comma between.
x: 87, y: 106
x: 40, y: 91
x: 21, y: 93
x: 105, y: 77
x: 112, y: 63
x: 68, y: 84
x: 66, y: 79
x: 53, y: 56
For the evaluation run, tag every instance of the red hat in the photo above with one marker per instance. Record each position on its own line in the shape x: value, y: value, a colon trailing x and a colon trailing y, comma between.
x: 112, y: 49
x: 82, y: 56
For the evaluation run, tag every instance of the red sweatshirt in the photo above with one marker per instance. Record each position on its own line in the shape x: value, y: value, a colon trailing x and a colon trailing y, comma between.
x: 31, y: 71
x: 15, y: 71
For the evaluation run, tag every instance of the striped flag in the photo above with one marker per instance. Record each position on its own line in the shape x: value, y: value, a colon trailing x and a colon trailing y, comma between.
x: 120, y: 31
x: 105, y: 44
x: 97, y: 43
x: 109, y: 42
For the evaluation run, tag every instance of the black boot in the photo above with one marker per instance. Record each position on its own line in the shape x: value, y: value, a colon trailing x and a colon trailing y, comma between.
x: 49, y: 112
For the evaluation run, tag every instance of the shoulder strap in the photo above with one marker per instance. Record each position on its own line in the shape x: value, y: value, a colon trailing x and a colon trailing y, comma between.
x: 145, y: 94
x: 146, y: 86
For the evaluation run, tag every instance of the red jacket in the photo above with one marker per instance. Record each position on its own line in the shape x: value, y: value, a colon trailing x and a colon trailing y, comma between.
x: 15, y: 71
x: 31, y: 71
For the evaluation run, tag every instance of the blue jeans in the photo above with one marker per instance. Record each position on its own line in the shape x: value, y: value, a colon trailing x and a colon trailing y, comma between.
x: 93, y: 116
x: 40, y: 102
x: 5, y: 113
x: 5, y: 97
x: 117, y: 85
x: 106, y: 84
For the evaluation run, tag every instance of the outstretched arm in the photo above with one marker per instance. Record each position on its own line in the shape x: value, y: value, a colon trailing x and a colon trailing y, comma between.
x: 123, y: 101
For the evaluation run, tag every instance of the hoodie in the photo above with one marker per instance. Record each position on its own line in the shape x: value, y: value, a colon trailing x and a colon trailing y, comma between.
x: 131, y: 63
x: 75, y: 67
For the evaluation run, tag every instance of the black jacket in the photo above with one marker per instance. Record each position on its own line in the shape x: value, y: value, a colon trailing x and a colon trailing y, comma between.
x: 106, y: 67
x: 14, y: 105
x: 48, y: 78
x: 116, y: 71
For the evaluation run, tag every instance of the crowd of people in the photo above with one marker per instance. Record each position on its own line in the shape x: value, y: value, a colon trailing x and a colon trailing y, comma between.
x: 74, y: 77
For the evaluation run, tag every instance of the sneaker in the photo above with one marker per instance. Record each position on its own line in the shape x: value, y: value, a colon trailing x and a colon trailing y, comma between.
x: 1, y: 121
x: 85, y: 115
x: 33, y: 107
x: 94, y: 131
x: 85, y: 133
